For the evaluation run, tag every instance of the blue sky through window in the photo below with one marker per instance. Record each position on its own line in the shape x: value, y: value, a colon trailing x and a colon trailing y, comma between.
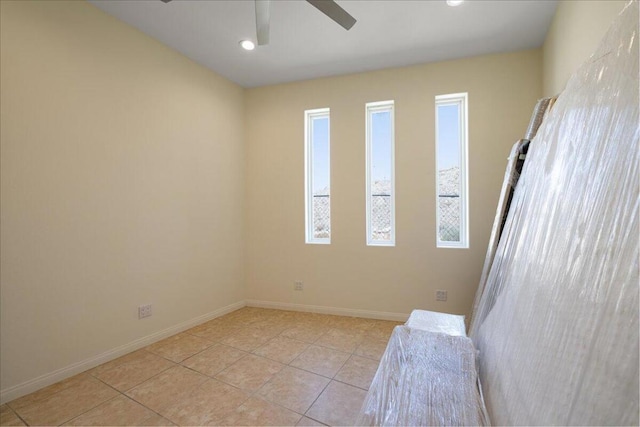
x: 448, y: 136
x: 320, y: 154
x: 380, y: 146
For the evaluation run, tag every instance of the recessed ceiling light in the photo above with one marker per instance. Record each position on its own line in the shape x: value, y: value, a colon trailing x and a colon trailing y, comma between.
x: 247, y: 45
x: 455, y: 2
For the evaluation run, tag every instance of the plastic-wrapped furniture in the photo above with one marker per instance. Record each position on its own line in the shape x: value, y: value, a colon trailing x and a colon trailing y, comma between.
x: 425, y: 378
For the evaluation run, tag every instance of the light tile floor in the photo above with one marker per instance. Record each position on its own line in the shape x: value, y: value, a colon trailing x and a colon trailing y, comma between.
x: 250, y: 367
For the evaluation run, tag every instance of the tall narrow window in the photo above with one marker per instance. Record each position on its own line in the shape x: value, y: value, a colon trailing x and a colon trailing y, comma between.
x: 317, y: 177
x: 452, y: 215
x: 380, y: 174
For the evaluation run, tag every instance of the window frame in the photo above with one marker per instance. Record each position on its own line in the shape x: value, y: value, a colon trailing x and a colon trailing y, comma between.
x: 370, y: 108
x: 462, y: 100
x: 309, y: 116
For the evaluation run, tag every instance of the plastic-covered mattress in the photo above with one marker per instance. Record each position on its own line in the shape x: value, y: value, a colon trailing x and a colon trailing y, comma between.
x: 424, y: 378
x: 557, y: 324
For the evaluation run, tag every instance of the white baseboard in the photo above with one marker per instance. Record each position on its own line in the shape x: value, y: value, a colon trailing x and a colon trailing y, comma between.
x: 382, y: 315
x: 30, y: 386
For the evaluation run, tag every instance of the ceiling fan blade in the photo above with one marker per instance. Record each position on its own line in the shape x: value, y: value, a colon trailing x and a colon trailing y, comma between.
x: 335, y: 12
x: 262, y: 21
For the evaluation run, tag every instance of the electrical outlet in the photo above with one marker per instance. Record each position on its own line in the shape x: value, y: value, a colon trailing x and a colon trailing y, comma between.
x: 144, y: 311
x: 441, y: 295
x: 298, y: 286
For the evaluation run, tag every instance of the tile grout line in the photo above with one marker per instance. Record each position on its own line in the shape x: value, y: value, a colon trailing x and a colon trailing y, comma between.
x: 316, y: 399
x: 67, y: 420
x: 146, y: 407
x: 251, y: 394
x: 180, y: 362
x: 90, y: 409
x: 223, y: 382
x: 255, y: 393
x: 17, y: 415
x: 326, y: 386
x: 93, y: 407
x: 124, y: 393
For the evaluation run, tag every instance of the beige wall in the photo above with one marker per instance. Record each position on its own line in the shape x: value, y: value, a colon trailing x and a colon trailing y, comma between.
x: 347, y: 274
x: 575, y: 32
x: 131, y: 175
x: 122, y: 183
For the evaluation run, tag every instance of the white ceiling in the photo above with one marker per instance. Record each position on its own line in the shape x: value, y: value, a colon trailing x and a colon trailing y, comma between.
x: 306, y: 44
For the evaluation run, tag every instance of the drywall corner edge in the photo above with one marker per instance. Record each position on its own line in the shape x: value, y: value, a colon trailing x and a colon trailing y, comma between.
x: 32, y: 385
x: 381, y: 315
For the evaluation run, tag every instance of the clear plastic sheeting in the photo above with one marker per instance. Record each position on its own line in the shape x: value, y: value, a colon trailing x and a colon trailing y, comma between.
x: 539, y: 112
x: 424, y: 378
x: 432, y: 321
x: 511, y: 177
x: 557, y: 324
x: 515, y: 163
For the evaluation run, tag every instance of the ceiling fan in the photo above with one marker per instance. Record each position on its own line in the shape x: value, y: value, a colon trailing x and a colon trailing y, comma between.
x: 328, y: 7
